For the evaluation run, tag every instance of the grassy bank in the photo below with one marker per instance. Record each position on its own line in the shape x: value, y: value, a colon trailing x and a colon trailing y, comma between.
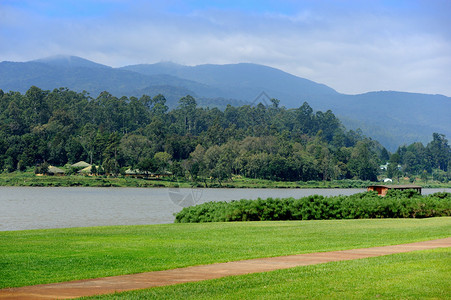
x: 28, y: 178
x: 44, y: 256
x: 417, y: 275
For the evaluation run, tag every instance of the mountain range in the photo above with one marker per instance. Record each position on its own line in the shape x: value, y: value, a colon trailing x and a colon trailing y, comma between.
x: 392, y: 118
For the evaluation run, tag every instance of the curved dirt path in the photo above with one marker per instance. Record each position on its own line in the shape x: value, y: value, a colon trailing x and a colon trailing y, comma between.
x: 109, y: 285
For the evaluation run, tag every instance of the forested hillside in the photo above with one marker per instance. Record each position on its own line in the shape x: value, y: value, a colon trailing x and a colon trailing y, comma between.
x: 268, y: 142
x: 392, y: 118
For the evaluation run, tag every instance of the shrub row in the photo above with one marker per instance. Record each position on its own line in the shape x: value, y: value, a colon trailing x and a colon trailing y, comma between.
x: 396, y: 204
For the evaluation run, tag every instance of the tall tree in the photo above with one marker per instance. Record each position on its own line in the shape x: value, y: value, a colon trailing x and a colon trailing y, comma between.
x: 440, y: 151
x: 362, y: 163
x: 187, y: 107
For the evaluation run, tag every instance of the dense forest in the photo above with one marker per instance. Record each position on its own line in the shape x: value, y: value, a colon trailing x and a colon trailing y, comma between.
x: 268, y: 142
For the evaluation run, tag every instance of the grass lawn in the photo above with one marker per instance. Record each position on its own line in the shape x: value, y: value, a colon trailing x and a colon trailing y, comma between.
x: 44, y: 256
x: 416, y: 275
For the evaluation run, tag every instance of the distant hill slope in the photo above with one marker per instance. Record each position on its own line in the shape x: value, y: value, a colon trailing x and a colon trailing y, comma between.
x: 241, y: 81
x: 393, y: 118
x: 69, y: 62
x: 82, y: 75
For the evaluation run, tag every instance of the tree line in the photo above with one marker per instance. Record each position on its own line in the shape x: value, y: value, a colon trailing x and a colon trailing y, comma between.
x: 419, y: 160
x: 263, y: 141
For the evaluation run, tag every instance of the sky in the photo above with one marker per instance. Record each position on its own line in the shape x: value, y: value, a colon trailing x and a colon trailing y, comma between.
x: 353, y: 46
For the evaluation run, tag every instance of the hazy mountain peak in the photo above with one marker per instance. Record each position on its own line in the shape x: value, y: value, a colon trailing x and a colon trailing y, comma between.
x: 69, y: 61
x: 169, y: 64
x: 165, y: 67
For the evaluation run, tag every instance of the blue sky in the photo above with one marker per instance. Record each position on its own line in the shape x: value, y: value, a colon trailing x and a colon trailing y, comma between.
x: 352, y: 46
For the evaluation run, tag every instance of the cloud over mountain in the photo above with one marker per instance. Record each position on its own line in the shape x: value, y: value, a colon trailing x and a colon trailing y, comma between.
x: 352, y: 46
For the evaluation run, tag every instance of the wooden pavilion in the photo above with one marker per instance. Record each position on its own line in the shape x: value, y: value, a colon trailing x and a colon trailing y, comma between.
x: 383, y: 189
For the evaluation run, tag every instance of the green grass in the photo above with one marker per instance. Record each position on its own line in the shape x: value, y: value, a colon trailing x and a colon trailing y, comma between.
x: 44, y: 256
x: 416, y: 275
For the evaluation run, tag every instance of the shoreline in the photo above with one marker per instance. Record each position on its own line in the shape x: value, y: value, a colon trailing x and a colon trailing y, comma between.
x: 29, y: 179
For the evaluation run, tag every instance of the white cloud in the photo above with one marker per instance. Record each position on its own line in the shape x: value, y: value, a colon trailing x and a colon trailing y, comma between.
x: 352, y: 52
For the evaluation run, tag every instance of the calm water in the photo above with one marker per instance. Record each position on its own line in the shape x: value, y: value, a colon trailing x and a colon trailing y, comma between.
x: 35, y: 208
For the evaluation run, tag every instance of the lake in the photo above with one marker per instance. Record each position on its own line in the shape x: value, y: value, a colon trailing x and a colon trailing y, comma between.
x: 24, y: 208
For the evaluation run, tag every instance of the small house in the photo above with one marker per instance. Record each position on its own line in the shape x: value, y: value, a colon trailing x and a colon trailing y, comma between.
x: 87, y: 170
x: 137, y: 173
x: 383, y: 189
x: 55, y: 171
x: 80, y: 164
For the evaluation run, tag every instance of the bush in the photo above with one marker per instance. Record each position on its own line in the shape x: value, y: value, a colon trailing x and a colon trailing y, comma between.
x: 396, y: 204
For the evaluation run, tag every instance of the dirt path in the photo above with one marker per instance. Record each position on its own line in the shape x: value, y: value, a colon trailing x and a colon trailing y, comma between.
x: 107, y: 285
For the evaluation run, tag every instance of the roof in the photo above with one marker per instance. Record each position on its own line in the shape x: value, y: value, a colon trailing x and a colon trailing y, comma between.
x: 139, y: 172
x: 136, y: 172
x: 80, y: 164
x: 397, y: 186
x: 87, y: 169
x: 54, y: 170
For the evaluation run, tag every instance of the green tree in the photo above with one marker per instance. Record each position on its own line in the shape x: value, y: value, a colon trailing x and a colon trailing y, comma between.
x: 395, y: 159
x: 218, y: 163
x: 110, y: 166
x: 393, y: 171
x: 87, y: 140
x: 148, y: 165
x: 159, y: 108
x: 36, y: 106
x: 362, y: 163
x: 196, y: 164
x: 440, y: 151
x: 74, y: 150
x: 110, y: 154
x: 137, y: 114
x: 42, y: 168
x: 187, y: 106
x: 385, y: 156
x: 94, y: 170
x: 135, y: 148
x: 275, y: 102
x: 424, y: 176
x: 176, y: 169
x: 162, y: 159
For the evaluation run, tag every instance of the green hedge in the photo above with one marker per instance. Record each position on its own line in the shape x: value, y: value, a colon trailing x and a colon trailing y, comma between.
x: 396, y: 204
